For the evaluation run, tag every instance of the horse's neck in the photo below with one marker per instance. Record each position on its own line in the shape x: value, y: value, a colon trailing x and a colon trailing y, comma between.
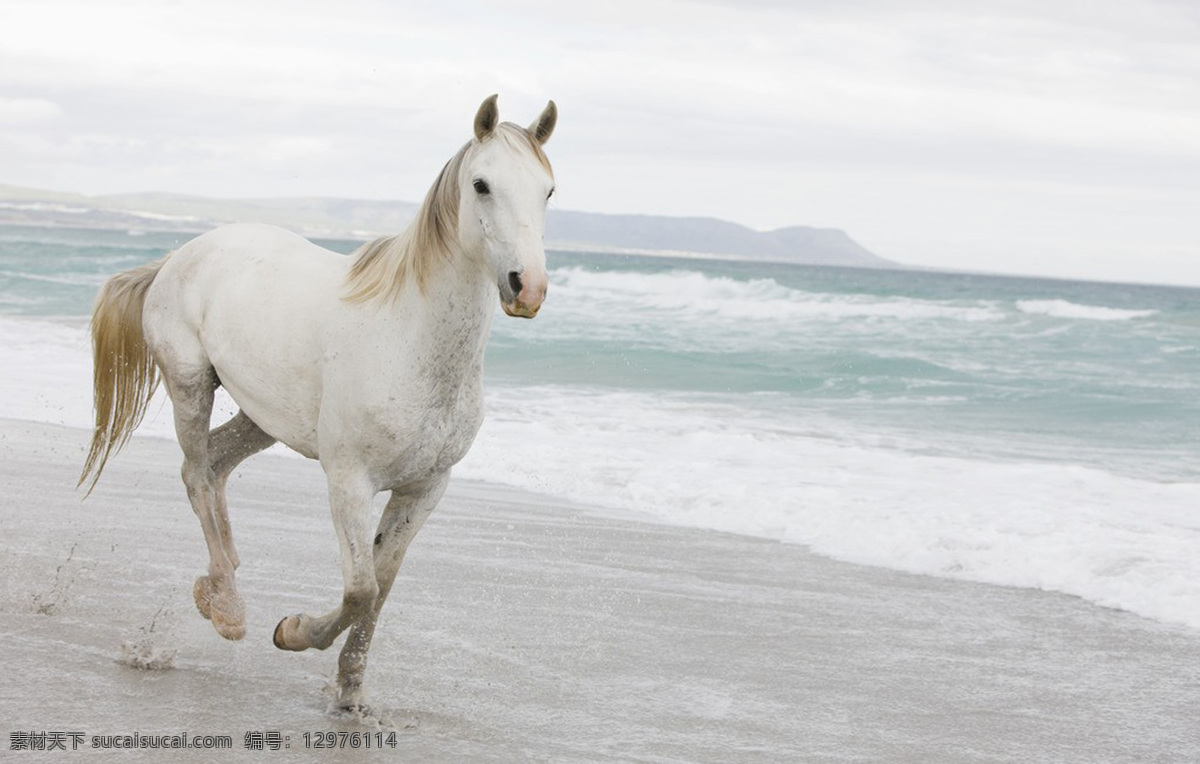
x: 455, y: 309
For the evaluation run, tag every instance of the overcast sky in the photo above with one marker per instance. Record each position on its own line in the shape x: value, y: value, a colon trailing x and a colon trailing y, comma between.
x: 1058, y: 138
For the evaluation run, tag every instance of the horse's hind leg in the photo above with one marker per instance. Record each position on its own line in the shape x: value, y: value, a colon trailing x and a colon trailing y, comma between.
x: 228, y: 446
x: 191, y: 390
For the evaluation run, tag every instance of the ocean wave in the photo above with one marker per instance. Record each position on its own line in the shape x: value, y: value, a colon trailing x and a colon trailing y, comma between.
x: 695, y: 294
x: 1067, y: 309
x: 65, y: 279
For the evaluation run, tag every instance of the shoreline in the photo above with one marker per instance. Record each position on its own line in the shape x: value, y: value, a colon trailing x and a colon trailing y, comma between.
x: 525, y: 627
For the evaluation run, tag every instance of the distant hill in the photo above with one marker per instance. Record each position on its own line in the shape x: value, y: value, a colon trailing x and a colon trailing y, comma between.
x: 364, y: 219
x: 648, y: 233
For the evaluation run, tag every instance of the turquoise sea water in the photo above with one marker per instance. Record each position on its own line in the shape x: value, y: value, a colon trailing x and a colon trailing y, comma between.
x: 1024, y: 431
x: 1104, y: 374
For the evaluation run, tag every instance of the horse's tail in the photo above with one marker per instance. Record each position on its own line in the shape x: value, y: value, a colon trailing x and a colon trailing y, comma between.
x: 124, y: 374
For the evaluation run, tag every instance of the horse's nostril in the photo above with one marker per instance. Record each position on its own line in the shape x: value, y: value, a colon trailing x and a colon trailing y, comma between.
x: 514, y: 281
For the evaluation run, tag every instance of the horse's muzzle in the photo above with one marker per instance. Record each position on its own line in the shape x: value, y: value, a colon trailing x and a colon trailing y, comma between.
x: 522, y: 296
x: 519, y: 309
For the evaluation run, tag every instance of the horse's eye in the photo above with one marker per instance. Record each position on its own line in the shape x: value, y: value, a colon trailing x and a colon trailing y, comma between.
x: 481, y: 187
x: 550, y: 194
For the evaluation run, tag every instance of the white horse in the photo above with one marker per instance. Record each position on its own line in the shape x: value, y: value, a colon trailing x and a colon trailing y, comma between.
x: 372, y: 364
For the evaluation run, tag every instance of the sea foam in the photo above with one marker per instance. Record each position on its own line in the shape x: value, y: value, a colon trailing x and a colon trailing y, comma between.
x: 1067, y: 309
x: 697, y: 295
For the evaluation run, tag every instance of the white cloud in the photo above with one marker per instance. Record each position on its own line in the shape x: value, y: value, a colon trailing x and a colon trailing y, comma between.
x: 27, y: 111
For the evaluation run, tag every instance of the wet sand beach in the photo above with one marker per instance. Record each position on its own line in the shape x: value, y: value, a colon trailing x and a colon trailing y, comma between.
x: 522, y: 628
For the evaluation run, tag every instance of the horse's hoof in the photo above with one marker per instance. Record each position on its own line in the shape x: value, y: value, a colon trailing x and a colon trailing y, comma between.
x: 203, y: 593
x: 230, y: 630
x: 224, y: 608
x: 287, y: 637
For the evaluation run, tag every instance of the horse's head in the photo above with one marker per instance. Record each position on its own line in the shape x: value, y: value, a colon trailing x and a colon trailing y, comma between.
x: 504, y: 185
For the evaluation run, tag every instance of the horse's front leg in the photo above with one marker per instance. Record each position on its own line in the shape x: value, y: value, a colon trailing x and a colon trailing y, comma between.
x: 350, y: 497
x: 404, y: 515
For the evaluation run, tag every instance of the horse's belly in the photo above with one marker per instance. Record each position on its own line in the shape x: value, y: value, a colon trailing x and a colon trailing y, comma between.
x: 269, y: 362
x: 282, y: 411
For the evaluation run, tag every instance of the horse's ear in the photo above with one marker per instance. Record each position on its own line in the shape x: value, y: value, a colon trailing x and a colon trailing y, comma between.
x: 543, y: 126
x: 487, y: 117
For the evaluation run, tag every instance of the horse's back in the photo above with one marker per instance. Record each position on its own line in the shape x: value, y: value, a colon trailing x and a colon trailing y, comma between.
x: 254, y: 303
x: 248, y: 263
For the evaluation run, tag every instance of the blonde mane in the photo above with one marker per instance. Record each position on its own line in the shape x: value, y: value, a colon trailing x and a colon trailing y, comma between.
x: 382, y: 267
